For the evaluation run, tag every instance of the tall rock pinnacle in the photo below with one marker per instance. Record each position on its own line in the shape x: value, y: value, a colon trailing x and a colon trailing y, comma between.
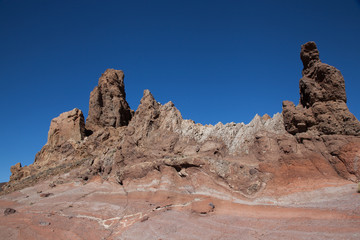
x: 320, y: 82
x: 108, y: 105
x: 322, y: 99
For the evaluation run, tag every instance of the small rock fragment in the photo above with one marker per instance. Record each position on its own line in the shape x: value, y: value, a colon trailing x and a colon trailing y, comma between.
x: 42, y: 223
x: 211, y: 205
x: 145, y: 218
x: 9, y: 211
x: 252, y: 171
x: 43, y: 195
x: 202, y: 207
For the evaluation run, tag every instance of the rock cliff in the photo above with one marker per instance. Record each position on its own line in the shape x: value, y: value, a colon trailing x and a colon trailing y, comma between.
x: 316, y: 140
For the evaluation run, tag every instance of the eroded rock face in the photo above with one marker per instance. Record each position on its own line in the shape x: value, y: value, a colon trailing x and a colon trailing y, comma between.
x: 320, y: 82
x: 322, y: 105
x: 68, y: 126
x: 108, y: 105
x: 316, y: 140
x: 16, y: 172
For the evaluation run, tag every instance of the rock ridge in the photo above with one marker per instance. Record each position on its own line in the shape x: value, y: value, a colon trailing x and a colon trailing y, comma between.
x: 317, y: 139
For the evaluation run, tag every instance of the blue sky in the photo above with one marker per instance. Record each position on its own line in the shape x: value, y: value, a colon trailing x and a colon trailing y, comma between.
x: 216, y: 60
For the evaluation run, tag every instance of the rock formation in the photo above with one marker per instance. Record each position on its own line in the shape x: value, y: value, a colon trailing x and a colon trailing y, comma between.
x: 121, y: 173
x: 322, y: 105
x: 69, y: 125
x: 108, y: 105
x: 318, y: 139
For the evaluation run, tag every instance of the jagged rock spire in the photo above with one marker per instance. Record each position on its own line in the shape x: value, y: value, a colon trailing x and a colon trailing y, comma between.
x: 320, y: 82
x: 309, y: 54
x: 108, y: 105
x: 322, y: 99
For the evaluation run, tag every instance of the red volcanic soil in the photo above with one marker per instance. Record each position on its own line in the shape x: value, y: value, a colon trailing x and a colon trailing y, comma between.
x: 106, y: 210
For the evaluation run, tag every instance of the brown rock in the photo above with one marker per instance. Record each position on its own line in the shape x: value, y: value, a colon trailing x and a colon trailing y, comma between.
x: 350, y: 156
x: 44, y: 195
x: 159, y: 146
x: 69, y: 125
x: 9, y: 211
x: 16, y: 172
x: 108, y: 105
x: 146, y: 114
x: 202, y: 207
x: 161, y: 167
x: 320, y: 82
x: 15, y: 168
x: 334, y: 117
x: 322, y: 99
x: 297, y: 119
x: 309, y: 54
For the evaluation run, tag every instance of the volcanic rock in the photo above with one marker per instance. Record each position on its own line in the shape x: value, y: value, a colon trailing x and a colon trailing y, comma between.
x: 68, y: 126
x: 349, y: 154
x: 127, y: 171
x: 16, y: 172
x: 322, y: 99
x: 9, y: 211
x: 44, y: 195
x: 320, y: 82
x: 108, y: 105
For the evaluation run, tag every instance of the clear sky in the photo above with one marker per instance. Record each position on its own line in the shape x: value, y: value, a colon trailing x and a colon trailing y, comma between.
x: 216, y: 60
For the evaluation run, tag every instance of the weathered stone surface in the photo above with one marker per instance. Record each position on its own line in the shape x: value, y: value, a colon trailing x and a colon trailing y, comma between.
x: 16, y: 172
x: 309, y: 54
x: 126, y: 175
x: 320, y: 82
x: 297, y: 119
x: 168, y: 206
x: 68, y: 126
x: 322, y: 99
x: 15, y: 168
x: 157, y: 146
x: 145, y: 118
x: 108, y: 105
x: 349, y: 154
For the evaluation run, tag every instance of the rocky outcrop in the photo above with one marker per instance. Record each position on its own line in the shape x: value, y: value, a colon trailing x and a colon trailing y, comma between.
x: 60, y: 154
x: 322, y: 106
x: 16, y: 172
x: 314, y: 141
x: 108, y: 105
x: 68, y: 126
x: 320, y: 82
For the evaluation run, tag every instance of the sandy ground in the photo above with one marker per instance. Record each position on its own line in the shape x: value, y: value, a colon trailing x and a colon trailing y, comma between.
x: 105, y: 210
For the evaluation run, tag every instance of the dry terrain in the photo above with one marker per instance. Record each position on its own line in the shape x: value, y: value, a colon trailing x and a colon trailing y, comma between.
x: 103, y: 210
